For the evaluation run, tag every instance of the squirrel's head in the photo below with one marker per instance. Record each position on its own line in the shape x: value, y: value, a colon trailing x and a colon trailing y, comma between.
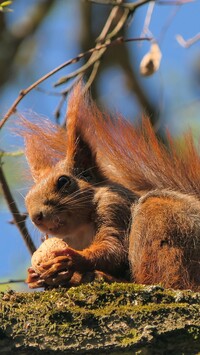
x: 61, y: 200
x: 65, y: 169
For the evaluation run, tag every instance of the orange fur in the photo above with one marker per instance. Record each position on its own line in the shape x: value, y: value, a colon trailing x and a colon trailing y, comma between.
x: 40, y: 149
x: 136, y: 158
x: 88, y: 211
x: 165, y: 232
x: 124, y: 162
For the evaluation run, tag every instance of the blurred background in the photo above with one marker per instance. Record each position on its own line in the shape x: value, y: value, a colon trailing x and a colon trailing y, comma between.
x: 37, y: 36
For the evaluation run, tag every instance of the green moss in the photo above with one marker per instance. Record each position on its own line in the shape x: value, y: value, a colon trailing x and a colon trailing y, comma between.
x: 131, y: 338
x: 99, y: 316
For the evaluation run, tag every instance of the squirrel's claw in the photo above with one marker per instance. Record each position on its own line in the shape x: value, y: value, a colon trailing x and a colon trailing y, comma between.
x: 55, y: 265
x: 33, y: 279
x: 61, y: 269
x: 70, y: 259
x: 60, y: 279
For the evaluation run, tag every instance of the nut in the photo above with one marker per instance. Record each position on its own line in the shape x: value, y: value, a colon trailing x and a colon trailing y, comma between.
x: 46, y: 252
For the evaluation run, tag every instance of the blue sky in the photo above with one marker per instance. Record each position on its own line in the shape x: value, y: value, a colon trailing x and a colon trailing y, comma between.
x: 58, y: 40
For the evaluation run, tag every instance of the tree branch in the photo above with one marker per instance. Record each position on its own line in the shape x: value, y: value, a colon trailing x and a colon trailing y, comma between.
x: 101, y: 47
x: 100, y: 319
x: 19, y: 219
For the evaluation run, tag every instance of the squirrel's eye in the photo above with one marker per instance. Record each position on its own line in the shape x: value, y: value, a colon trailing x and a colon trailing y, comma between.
x: 63, y: 181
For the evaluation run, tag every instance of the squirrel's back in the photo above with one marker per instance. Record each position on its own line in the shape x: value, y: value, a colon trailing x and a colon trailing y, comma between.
x: 137, y: 159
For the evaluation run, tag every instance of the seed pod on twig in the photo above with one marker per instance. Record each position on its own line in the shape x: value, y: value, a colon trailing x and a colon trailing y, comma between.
x: 150, y: 63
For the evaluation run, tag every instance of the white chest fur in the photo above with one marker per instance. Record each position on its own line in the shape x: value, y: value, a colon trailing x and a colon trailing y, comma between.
x: 82, y: 238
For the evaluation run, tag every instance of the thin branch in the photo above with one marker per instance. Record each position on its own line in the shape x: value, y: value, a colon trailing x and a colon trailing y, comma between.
x: 97, y: 52
x: 92, y: 75
x: 47, y: 92
x: 24, y: 92
x: 120, y: 24
x: 131, y: 6
x: 101, y: 50
x: 95, y: 55
x: 104, y: 36
x: 39, y: 81
x: 134, y: 5
x: 12, y: 282
x: 175, y: 3
x: 107, y: 25
x: 146, y: 30
x: 18, y: 218
x: 93, y: 61
x: 189, y: 42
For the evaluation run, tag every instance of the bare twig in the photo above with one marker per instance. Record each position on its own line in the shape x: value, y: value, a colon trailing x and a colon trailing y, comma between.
x: 101, y: 50
x: 102, y: 44
x: 52, y: 72
x: 39, y: 81
x: 92, y: 75
x: 120, y: 24
x: 175, y: 3
x: 107, y: 25
x: 18, y: 218
x: 134, y: 5
x: 12, y: 282
x: 48, y: 92
x: 146, y: 30
x: 130, y: 6
x: 189, y: 42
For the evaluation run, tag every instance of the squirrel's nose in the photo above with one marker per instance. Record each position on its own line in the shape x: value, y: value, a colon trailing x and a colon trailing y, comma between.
x: 37, y: 218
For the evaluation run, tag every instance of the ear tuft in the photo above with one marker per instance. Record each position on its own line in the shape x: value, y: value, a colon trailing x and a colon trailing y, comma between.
x: 76, y: 100
x: 81, y: 147
x: 45, y: 144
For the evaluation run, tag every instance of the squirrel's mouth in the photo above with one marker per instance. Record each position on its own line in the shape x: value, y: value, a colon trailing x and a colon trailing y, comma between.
x: 54, y: 230
x: 52, y: 226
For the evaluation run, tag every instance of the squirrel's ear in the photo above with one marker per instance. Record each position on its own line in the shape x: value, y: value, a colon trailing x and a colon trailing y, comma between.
x: 85, y: 160
x: 45, y: 144
x: 38, y: 157
x: 81, y: 150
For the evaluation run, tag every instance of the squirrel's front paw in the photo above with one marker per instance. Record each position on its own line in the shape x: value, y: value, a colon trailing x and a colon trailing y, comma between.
x: 54, y: 263
x: 68, y: 261
x: 33, y: 279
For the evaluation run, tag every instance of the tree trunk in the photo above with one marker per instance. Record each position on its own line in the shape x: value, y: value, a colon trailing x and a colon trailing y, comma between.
x: 100, y: 318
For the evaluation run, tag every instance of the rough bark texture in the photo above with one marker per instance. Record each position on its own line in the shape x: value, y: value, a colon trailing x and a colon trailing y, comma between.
x: 100, y: 318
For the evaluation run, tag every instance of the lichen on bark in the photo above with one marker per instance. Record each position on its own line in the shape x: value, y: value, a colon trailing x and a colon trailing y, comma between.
x: 100, y: 318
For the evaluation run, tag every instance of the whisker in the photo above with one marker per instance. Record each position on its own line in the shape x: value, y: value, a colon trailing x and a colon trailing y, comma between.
x: 78, y: 202
x: 21, y: 194
x: 13, y: 222
x: 72, y: 208
x: 71, y: 205
x: 78, y: 195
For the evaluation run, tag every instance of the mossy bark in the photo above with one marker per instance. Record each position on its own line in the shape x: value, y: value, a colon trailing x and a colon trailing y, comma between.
x: 100, y: 318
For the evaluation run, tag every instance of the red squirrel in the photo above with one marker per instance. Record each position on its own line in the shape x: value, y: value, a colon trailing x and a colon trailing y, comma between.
x: 121, y: 199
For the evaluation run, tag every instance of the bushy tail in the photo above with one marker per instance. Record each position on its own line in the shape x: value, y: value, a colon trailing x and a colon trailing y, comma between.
x: 142, y: 163
x: 133, y: 155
